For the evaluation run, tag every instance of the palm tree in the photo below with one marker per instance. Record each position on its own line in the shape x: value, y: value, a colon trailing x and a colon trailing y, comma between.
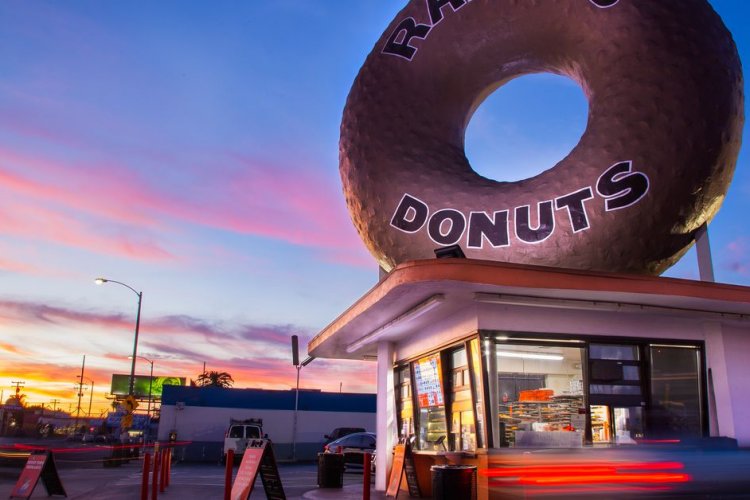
x: 215, y: 379
x: 16, y: 400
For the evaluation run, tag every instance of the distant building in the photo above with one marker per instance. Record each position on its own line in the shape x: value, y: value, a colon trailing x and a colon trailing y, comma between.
x: 201, y: 415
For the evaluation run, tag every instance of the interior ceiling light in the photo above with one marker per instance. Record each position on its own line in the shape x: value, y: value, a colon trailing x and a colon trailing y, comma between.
x: 529, y: 355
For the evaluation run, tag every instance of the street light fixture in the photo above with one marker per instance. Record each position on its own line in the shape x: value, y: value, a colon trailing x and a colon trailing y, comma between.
x: 101, y: 281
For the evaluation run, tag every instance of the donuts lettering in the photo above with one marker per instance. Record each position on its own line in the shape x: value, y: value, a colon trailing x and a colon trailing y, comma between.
x: 398, y: 43
x: 619, y: 186
x: 664, y: 85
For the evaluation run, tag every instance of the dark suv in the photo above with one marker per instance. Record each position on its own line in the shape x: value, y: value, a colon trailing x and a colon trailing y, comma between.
x: 340, y: 432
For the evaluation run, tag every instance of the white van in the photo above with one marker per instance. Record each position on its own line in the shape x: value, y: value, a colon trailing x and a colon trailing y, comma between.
x: 238, y: 434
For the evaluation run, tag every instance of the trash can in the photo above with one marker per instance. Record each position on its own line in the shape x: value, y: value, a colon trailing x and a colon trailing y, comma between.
x: 454, y: 481
x: 330, y: 470
x: 115, y: 459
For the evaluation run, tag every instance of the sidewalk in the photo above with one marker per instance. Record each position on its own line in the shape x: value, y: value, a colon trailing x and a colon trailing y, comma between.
x: 348, y: 492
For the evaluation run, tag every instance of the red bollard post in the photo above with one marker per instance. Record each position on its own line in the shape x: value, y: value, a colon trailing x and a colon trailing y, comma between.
x: 366, y: 476
x: 146, y: 472
x: 168, y: 475
x: 155, y: 478
x: 228, y: 475
x: 163, y: 470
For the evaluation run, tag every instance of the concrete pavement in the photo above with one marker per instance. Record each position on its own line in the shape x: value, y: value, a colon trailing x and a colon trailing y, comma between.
x: 187, y: 481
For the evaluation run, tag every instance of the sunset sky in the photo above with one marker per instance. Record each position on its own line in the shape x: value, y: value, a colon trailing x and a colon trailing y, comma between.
x: 190, y: 150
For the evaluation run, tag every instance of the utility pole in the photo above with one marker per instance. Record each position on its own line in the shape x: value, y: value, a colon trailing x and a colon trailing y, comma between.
x: 91, y: 396
x: 80, y: 391
x: 18, y: 385
x: 54, y: 404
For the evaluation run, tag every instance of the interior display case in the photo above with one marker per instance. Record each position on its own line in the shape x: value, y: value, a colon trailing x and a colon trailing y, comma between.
x: 558, y: 413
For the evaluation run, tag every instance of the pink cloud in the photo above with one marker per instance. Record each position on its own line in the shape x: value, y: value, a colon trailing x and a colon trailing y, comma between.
x: 178, y: 346
x: 735, y: 256
x: 295, y: 206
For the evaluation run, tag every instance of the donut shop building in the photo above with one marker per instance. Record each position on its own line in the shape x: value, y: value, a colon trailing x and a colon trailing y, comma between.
x: 556, y: 332
x: 475, y: 357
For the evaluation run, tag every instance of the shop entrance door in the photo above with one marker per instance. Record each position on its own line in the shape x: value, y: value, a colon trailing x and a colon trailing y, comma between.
x: 628, y: 424
x: 616, y: 424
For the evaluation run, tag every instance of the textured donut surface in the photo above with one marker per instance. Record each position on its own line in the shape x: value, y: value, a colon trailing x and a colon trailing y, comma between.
x: 664, y: 85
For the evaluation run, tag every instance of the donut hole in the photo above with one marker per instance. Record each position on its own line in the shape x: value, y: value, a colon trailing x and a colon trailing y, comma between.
x: 526, y: 127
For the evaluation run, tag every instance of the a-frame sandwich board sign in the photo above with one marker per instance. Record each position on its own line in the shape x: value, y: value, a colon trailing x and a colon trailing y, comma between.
x: 258, y: 457
x: 38, y: 465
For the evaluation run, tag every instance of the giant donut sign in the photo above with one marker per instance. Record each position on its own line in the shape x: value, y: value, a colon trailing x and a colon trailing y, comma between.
x: 664, y: 85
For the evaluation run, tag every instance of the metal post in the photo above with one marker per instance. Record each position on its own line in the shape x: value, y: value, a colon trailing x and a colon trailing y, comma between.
x: 100, y: 281
x: 144, y: 479
x: 703, y: 249
x: 294, y: 427
x: 150, y: 385
x: 163, y: 471
x: 155, y: 476
x: 228, y: 474
x: 135, y: 344
x: 366, y: 457
x: 80, y: 393
x: 91, y: 396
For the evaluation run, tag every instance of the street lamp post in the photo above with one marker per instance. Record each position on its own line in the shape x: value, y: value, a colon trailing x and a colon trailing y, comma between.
x: 100, y: 281
x: 150, y: 385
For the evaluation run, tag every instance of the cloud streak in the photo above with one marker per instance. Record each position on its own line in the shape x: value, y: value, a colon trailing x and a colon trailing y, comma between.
x: 256, y: 355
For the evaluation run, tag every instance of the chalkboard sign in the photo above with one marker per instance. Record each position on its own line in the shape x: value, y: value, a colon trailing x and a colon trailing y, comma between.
x: 258, y: 457
x: 411, y: 473
x: 269, y: 474
x: 38, y: 465
x: 403, y: 462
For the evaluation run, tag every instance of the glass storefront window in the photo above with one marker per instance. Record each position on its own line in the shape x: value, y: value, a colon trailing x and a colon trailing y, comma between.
x: 478, y: 391
x: 614, y: 389
x: 675, y: 392
x: 540, y: 395
x: 428, y: 381
x: 404, y: 405
x: 462, y: 430
x: 432, y: 431
x: 613, y: 351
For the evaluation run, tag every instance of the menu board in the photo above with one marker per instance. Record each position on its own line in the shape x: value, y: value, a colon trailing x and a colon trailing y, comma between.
x: 428, y: 378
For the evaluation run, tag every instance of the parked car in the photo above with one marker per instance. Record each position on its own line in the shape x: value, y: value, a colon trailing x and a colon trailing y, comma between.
x: 104, y: 438
x: 76, y: 436
x: 340, y: 432
x: 353, y: 446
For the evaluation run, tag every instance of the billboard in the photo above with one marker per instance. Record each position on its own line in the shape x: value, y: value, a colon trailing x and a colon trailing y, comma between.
x: 141, y: 384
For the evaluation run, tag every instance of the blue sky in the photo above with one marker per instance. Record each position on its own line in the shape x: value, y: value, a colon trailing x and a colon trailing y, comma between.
x: 190, y: 150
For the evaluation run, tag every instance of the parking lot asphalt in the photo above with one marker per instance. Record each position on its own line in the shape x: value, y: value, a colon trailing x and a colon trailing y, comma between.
x: 187, y: 481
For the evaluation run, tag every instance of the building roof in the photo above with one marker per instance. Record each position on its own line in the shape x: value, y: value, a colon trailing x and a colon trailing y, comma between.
x: 265, y: 399
x: 419, y: 293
